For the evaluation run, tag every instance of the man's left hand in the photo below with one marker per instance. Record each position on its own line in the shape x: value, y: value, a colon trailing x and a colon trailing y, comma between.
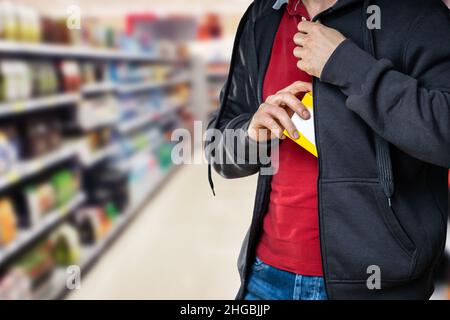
x: 315, y: 45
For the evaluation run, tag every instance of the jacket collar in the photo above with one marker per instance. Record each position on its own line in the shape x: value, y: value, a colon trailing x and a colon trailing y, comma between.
x: 278, y: 4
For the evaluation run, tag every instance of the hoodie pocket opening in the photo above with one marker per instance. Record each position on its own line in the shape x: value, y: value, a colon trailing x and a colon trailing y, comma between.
x: 394, y: 226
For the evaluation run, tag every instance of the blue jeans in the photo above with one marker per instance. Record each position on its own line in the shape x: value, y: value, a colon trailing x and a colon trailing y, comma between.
x: 269, y: 283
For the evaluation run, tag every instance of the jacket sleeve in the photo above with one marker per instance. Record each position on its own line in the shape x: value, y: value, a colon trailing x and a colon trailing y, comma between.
x: 410, y: 110
x: 228, y: 148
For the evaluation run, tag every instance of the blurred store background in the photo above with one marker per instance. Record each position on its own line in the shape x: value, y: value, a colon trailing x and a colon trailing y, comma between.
x: 87, y: 109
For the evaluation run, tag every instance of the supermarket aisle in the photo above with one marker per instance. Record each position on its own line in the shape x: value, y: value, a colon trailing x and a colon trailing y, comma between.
x: 183, y: 245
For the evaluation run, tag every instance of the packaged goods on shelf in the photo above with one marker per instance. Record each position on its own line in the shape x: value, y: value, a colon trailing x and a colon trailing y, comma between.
x: 106, y: 223
x: 99, y: 139
x: 142, y: 173
x: 43, y: 197
x: 66, y: 246
x: 40, y: 200
x: 88, y: 224
x: 15, y: 285
x: 8, y: 222
x: 143, y: 104
x: 112, y: 211
x: 9, y: 25
x: 134, y: 73
x: 19, y: 22
x: 95, y: 72
x: 21, y: 80
x: 16, y: 80
x: 66, y: 183
x: 37, y: 264
x: 96, y: 222
x: 70, y: 177
x: 165, y: 156
x: 97, y: 111
x: 40, y: 135
x: 70, y: 76
x: 10, y: 148
x: 29, y: 29
x: 107, y: 188
x: 23, y: 23
x: 45, y: 78
x: 218, y: 70
x: 179, y: 94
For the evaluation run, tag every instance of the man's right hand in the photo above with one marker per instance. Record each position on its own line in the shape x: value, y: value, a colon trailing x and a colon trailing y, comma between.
x: 274, y: 115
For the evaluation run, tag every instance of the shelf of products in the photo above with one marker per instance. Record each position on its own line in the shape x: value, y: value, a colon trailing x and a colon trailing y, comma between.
x: 51, y: 219
x: 217, y: 73
x: 24, y: 31
x: 95, y: 157
x: 85, y: 125
x: 98, y: 87
x: 50, y: 102
x: 26, y: 169
x: 67, y: 51
x: 91, y: 253
x: 129, y: 88
x: 133, y: 124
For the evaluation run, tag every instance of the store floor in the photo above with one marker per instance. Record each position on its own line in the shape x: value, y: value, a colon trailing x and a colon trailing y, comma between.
x: 183, y: 245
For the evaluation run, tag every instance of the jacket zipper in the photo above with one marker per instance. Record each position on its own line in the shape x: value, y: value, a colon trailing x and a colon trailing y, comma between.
x: 321, y: 234
x: 316, y: 132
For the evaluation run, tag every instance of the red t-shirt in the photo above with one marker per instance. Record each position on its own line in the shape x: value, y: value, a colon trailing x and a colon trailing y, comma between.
x: 290, y: 237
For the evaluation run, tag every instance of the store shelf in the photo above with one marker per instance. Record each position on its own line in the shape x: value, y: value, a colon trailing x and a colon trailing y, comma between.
x: 66, y: 51
x: 129, y: 125
x: 128, y: 163
x: 18, y: 107
x: 150, y: 85
x: 93, y: 106
x: 47, y: 223
x: 98, y: 87
x: 137, y: 122
x: 95, y: 124
x: 221, y: 75
x: 91, y: 254
x: 90, y: 159
x: 26, y: 169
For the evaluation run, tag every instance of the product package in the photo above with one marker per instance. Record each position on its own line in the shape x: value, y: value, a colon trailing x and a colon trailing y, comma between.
x: 8, y: 223
x: 9, y: 148
x: 88, y: 225
x: 65, y: 183
x: 66, y: 246
x: 15, y: 285
x: 70, y: 76
x: 40, y: 200
x: 38, y: 264
x: 305, y: 128
x: 15, y: 80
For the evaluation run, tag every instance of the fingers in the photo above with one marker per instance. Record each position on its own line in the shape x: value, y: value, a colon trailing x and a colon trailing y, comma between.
x: 265, y: 120
x: 282, y: 117
x: 302, y: 65
x: 298, y: 52
x: 301, y: 39
x: 297, y: 87
x: 291, y: 101
x: 306, y: 26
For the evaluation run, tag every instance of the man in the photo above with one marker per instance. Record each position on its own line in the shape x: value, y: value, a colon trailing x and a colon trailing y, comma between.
x: 367, y: 218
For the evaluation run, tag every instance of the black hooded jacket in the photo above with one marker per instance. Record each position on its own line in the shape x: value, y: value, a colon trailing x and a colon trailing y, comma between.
x: 382, y: 117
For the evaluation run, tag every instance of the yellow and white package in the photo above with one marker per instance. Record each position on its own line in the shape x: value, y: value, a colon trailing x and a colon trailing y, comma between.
x: 305, y: 128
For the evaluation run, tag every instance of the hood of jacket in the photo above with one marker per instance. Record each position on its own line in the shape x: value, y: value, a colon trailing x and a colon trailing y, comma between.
x: 262, y: 8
